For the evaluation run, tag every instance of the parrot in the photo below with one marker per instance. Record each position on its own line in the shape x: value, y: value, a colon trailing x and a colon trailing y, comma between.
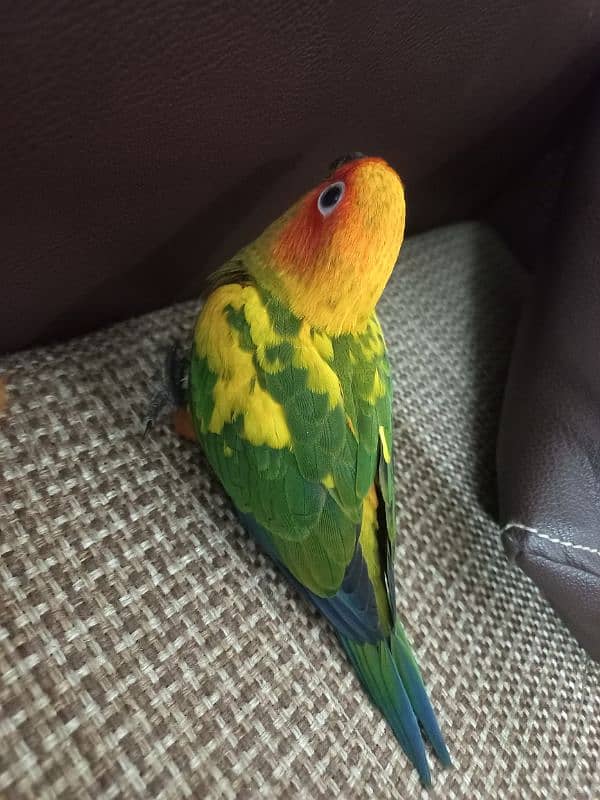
x: 288, y: 389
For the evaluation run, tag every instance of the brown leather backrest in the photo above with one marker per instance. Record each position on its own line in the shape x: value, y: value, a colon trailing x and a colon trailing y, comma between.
x: 142, y: 142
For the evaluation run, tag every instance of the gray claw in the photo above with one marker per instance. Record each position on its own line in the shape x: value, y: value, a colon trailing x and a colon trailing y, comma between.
x: 169, y: 385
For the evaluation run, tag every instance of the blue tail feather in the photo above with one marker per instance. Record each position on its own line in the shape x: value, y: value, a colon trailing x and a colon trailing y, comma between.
x: 413, y: 683
x: 390, y: 675
x: 378, y: 673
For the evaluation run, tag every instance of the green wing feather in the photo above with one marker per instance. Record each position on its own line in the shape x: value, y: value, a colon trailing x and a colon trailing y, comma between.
x: 307, y: 495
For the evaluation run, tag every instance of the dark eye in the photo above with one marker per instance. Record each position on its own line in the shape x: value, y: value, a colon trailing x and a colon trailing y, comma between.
x: 330, y: 197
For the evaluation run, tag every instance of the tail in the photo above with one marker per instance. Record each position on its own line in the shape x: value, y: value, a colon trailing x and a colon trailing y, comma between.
x: 389, y: 673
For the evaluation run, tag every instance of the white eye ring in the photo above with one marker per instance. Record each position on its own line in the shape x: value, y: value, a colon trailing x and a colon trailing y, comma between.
x: 330, y: 197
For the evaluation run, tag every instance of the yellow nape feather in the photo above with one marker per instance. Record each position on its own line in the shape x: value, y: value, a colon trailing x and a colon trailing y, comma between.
x: 321, y: 378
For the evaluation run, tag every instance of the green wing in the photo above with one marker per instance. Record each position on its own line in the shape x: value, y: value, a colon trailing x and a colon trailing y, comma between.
x: 295, y: 425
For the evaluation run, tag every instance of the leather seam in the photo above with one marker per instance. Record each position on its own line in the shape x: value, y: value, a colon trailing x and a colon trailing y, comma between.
x: 536, y: 532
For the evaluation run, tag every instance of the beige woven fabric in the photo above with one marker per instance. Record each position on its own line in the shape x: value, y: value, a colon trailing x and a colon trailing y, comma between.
x: 148, y: 651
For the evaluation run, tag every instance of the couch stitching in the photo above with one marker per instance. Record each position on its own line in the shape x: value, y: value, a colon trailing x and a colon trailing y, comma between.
x: 553, y: 539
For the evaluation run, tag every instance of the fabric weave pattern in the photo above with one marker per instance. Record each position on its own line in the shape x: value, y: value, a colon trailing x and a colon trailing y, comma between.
x: 147, y: 650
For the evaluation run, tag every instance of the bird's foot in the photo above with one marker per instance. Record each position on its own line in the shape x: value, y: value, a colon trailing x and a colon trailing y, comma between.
x: 168, y: 385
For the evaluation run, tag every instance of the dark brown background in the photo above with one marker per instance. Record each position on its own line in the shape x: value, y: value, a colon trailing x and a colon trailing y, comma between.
x: 142, y: 142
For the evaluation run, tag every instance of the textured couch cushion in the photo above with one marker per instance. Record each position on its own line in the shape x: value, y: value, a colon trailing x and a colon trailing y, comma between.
x: 147, y: 650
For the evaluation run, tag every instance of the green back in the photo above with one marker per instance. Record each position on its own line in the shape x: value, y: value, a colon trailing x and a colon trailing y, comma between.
x: 307, y: 495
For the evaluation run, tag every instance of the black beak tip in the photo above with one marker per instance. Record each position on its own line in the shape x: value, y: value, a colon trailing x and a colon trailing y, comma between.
x: 339, y: 162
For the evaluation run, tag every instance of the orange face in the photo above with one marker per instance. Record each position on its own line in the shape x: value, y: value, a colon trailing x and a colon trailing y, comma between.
x: 360, y: 204
x: 332, y: 253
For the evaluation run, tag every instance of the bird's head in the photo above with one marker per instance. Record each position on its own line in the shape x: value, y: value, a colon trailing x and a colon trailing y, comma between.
x: 330, y: 255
